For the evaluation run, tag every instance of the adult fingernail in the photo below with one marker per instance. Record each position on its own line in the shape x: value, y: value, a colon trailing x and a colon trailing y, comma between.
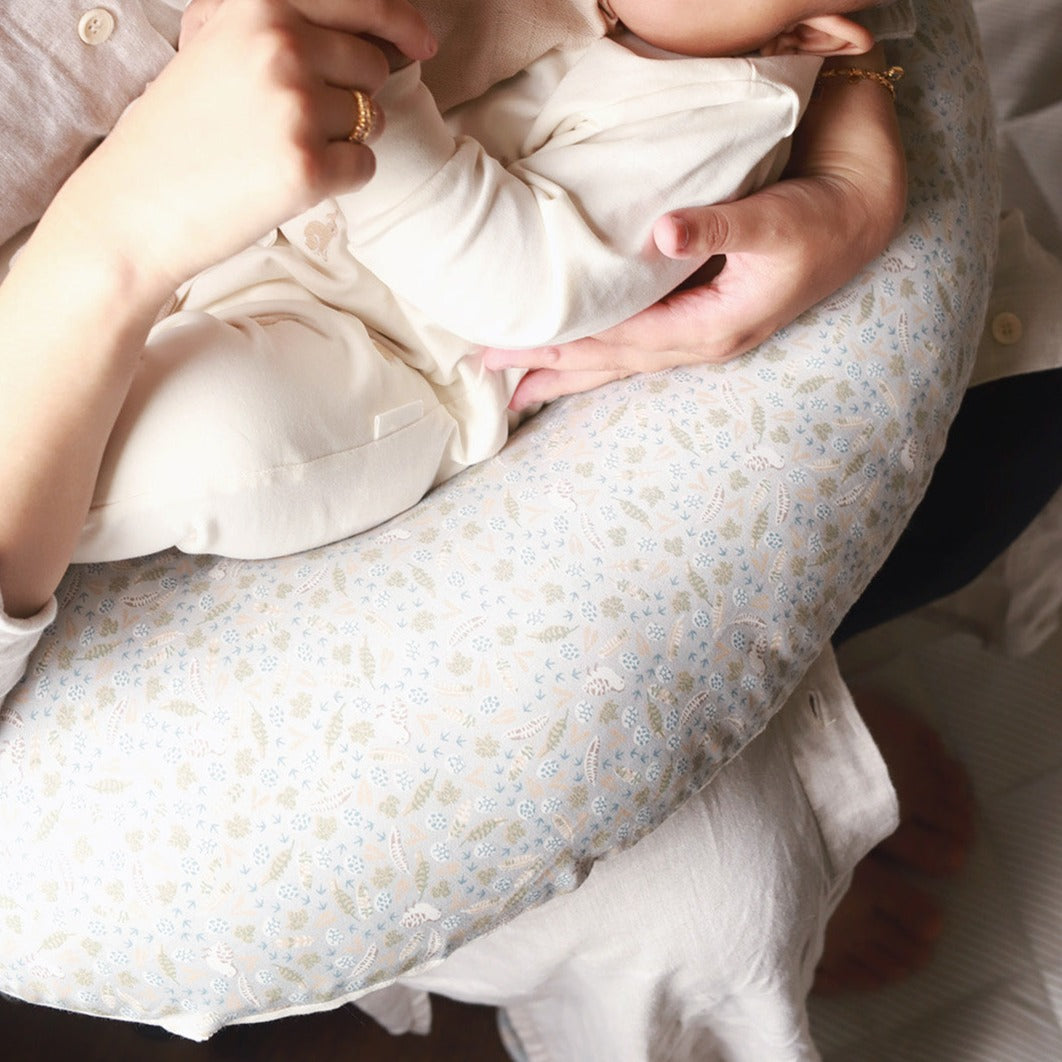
x: 682, y: 233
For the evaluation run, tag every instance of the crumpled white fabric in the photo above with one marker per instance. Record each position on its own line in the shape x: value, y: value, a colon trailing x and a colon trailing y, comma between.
x: 701, y: 941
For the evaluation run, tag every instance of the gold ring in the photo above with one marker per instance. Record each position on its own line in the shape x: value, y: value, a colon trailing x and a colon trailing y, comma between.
x: 364, y: 117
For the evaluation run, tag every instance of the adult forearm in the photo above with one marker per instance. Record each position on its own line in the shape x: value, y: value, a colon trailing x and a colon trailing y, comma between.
x: 73, y: 322
x: 848, y: 147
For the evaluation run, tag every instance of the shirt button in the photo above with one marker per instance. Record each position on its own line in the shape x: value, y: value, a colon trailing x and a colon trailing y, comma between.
x: 1007, y: 328
x: 95, y: 26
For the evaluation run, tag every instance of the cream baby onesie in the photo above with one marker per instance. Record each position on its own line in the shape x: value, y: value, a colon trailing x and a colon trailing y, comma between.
x: 521, y: 218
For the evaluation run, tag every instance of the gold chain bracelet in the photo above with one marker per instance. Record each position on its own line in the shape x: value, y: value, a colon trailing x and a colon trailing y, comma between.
x: 887, y: 78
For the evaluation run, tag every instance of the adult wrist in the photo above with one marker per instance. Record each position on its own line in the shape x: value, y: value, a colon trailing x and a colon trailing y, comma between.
x: 105, y: 295
x: 92, y: 261
x: 850, y: 137
x: 872, y: 60
x: 870, y: 67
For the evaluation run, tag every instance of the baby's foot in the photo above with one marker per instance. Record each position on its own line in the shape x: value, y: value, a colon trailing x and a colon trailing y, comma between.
x: 884, y: 928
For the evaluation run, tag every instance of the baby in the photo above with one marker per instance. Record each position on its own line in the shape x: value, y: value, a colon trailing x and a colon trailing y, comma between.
x: 522, y: 217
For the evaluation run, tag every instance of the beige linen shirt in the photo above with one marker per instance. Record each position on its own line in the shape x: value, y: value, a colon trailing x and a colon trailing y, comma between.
x: 69, y: 70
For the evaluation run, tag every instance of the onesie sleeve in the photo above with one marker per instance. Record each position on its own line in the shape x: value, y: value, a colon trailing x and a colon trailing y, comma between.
x: 548, y: 237
x: 18, y: 638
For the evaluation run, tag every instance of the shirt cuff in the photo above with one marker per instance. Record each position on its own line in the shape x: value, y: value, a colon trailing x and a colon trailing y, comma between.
x: 18, y: 638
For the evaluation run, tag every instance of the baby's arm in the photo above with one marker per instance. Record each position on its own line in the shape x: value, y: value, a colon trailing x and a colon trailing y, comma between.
x: 557, y: 244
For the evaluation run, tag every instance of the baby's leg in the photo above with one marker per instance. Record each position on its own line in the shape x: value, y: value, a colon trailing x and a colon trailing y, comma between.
x: 265, y: 429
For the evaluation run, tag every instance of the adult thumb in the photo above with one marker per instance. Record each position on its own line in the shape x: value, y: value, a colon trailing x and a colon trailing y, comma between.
x: 701, y: 232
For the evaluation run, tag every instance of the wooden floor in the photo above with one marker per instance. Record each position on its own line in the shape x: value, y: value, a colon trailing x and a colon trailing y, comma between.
x: 460, y: 1033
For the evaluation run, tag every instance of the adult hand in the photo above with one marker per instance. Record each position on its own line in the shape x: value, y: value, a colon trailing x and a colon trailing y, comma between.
x: 785, y: 247
x: 246, y: 127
